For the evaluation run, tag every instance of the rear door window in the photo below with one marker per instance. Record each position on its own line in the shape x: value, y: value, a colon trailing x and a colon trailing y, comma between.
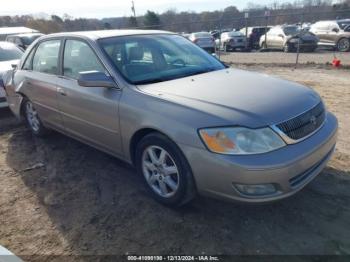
x: 46, y: 57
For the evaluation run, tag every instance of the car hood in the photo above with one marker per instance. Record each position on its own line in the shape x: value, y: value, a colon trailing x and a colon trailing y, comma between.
x: 6, y: 66
x: 238, y: 97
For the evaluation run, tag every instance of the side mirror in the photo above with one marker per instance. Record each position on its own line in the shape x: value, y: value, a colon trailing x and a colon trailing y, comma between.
x: 336, y: 30
x: 14, y: 66
x: 95, y: 79
x: 280, y: 35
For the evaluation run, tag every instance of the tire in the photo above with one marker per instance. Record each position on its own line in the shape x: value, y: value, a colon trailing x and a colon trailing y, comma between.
x: 287, y: 48
x: 226, y: 49
x: 169, y: 181
x: 32, y: 119
x: 343, y: 45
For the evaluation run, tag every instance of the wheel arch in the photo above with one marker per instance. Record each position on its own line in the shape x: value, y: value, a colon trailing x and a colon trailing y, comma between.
x: 341, y: 38
x: 138, y: 135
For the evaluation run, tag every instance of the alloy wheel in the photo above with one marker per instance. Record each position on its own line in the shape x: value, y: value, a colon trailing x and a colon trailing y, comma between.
x: 32, y: 117
x: 160, y: 171
x: 344, y: 45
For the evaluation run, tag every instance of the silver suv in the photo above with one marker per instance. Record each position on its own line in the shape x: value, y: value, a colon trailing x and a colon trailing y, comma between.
x: 333, y: 33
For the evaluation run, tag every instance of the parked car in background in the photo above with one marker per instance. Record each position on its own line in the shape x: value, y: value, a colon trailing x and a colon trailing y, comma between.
x: 10, y: 55
x: 231, y: 41
x: 216, y: 33
x: 23, y: 40
x: 185, y: 35
x: 287, y: 38
x: 6, y: 31
x: 187, y: 122
x: 254, y: 34
x: 204, y: 40
x: 333, y: 34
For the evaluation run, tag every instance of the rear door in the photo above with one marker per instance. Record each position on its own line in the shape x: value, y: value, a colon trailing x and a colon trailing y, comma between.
x: 321, y: 29
x: 40, y: 80
x: 332, y: 35
x: 89, y: 113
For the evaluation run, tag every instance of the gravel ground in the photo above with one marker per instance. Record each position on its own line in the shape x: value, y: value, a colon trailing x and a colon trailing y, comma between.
x: 75, y: 200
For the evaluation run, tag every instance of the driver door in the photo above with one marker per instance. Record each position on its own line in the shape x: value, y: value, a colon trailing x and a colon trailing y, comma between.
x: 89, y: 113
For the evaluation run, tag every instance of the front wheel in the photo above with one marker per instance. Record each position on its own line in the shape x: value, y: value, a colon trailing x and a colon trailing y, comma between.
x: 287, y: 48
x: 165, y: 171
x: 32, y: 118
x: 343, y: 45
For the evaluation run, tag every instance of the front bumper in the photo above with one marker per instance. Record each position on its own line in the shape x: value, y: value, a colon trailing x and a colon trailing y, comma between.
x: 289, y: 169
x: 306, y: 46
x: 210, y: 50
x: 236, y: 45
x: 3, y: 102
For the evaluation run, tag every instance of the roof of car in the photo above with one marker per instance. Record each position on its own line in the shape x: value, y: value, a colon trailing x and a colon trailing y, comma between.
x: 108, y: 33
x: 26, y: 35
x: 5, y: 44
x: 16, y: 30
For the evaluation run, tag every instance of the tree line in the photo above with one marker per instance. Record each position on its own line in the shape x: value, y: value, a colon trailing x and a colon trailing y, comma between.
x: 229, y: 18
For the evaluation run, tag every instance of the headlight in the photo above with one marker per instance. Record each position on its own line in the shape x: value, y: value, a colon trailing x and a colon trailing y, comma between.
x: 240, y: 140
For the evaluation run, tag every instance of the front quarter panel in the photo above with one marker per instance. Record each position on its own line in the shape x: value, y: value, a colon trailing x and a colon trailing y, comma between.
x: 13, y: 88
x: 180, y: 123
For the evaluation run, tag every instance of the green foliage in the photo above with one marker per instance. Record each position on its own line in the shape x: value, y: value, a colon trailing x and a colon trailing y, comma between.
x: 151, y: 20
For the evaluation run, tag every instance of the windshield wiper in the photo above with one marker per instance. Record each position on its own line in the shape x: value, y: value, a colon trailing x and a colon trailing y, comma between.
x: 163, y: 79
x: 203, y: 71
x: 150, y: 81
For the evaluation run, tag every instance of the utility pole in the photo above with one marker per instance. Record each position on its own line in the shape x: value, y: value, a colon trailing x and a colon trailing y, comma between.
x: 267, y: 14
x: 133, y: 8
x: 246, y: 16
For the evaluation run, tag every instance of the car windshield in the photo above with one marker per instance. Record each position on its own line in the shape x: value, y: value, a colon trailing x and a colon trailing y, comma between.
x: 291, y: 30
x: 9, y: 52
x: 344, y: 24
x: 144, y: 59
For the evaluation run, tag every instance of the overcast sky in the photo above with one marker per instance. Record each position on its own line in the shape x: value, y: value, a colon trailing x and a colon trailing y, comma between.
x: 113, y: 8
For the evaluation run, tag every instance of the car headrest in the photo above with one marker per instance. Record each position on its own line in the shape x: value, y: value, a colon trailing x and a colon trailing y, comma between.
x: 84, y: 52
x: 136, y: 53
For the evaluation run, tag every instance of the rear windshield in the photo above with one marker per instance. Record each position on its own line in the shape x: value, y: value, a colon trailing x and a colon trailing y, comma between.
x: 204, y: 34
x: 144, y: 59
x: 235, y: 33
x: 27, y: 40
x: 291, y: 30
x: 9, y: 52
x: 344, y: 24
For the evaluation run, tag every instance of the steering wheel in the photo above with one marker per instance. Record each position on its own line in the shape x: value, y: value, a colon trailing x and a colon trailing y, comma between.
x: 178, y: 61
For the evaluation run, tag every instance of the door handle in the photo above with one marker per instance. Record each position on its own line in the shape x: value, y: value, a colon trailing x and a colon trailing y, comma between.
x: 61, y: 91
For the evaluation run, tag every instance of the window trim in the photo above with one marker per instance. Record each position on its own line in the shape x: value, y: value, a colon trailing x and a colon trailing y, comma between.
x: 32, y: 51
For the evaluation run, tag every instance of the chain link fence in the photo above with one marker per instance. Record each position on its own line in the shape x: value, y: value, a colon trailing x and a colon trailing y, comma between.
x: 267, y: 18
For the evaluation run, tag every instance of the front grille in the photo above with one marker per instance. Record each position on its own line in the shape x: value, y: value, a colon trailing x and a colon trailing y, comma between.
x: 304, y: 124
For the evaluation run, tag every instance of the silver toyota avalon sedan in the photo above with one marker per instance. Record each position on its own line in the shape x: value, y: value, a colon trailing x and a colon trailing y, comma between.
x: 188, y: 123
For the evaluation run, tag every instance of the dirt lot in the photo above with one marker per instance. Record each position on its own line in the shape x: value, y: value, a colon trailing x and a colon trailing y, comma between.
x: 320, y: 57
x: 85, y: 202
